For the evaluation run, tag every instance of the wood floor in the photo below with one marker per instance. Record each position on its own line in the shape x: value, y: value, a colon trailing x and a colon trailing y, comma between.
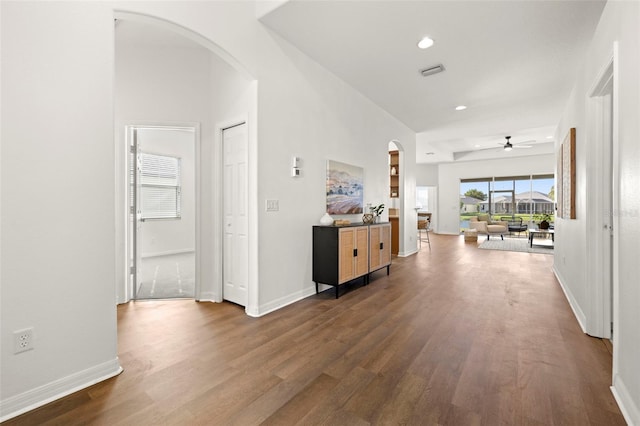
x: 454, y: 336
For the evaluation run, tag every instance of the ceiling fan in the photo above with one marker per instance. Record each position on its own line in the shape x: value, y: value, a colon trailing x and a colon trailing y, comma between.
x: 509, y: 146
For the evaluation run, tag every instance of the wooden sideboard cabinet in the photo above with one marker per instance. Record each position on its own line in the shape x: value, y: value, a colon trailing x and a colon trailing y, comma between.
x: 344, y: 253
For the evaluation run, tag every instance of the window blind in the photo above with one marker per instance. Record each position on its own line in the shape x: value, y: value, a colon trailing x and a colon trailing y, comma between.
x: 159, y: 186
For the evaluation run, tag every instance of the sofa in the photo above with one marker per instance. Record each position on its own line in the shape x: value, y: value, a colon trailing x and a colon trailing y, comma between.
x: 484, y: 225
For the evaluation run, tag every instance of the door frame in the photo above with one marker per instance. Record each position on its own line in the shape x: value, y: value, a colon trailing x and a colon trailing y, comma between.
x: 603, y: 296
x: 234, y: 270
x: 252, y: 308
x: 129, y: 290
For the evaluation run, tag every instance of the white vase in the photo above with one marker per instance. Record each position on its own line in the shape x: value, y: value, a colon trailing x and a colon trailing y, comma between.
x: 326, y: 220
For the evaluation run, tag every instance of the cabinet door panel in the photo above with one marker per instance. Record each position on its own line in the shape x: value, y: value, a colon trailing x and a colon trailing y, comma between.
x: 362, y: 244
x: 346, y: 246
x: 374, y: 247
x: 385, y: 239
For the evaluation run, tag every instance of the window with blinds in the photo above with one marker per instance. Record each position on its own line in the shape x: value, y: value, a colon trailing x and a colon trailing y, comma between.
x: 159, y: 186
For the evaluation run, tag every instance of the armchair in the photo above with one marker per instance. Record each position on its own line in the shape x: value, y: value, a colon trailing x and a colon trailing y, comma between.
x: 483, y: 224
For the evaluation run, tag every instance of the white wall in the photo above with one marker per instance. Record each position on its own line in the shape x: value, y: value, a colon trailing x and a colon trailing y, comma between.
x: 427, y: 174
x: 57, y: 104
x: 619, y: 22
x: 450, y: 174
x: 58, y: 203
x: 318, y: 118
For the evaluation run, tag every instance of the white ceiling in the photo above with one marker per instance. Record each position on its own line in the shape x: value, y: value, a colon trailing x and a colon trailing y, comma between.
x: 512, y: 63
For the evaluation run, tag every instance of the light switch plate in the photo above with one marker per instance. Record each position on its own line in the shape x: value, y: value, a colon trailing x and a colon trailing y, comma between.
x: 272, y: 205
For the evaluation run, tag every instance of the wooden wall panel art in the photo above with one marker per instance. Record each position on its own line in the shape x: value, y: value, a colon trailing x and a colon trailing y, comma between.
x: 567, y: 174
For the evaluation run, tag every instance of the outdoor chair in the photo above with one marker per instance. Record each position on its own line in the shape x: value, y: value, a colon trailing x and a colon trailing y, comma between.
x: 514, y: 224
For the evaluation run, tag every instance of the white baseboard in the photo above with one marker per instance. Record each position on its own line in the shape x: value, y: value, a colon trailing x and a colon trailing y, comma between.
x: 407, y: 253
x: 628, y: 407
x: 283, y: 301
x: 209, y: 296
x: 167, y: 253
x: 34, y: 398
x: 573, y: 303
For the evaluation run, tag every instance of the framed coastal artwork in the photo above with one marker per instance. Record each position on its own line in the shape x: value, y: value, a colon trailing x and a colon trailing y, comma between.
x: 344, y: 188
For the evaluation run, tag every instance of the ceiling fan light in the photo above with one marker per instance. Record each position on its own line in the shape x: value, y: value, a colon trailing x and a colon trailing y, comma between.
x: 508, y: 146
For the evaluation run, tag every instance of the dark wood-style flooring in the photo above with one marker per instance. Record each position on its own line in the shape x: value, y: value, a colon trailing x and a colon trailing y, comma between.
x: 454, y: 336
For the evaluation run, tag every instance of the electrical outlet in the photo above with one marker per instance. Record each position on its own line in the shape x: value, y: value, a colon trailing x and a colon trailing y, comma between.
x: 22, y: 340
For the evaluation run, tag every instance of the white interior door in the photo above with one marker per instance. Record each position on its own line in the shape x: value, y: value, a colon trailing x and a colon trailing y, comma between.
x: 608, y: 206
x: 134, y: 224
x: 235, y: 247
x: 602, y: 202
x: 137, y: 237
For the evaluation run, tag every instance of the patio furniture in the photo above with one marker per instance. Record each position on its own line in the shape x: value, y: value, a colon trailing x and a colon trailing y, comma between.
x: 514, y: 224
x: 484, y: 225
x: 544, y: 234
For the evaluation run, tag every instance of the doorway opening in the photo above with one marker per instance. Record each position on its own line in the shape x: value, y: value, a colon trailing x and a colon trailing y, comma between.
x: 396, y: 196
x: 603, y: 202
x: 162, y: 211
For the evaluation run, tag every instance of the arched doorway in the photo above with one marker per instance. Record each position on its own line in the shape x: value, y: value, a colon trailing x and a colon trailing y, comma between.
x: 167, y: 75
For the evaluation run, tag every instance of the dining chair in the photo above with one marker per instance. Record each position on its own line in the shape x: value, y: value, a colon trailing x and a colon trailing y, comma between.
x: 424, y: 221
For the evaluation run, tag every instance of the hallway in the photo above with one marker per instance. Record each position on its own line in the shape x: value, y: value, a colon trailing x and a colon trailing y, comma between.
x: 453, y: 336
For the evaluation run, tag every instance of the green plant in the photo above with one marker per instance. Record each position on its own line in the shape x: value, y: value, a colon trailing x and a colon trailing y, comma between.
x: 543, y: 217
x: 377, y: 210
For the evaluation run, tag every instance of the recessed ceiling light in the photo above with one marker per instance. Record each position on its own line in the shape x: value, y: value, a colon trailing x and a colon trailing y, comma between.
x: 460, y: 107
x: 549, y: 137
x: 477, y: 146
x: 425, y: 43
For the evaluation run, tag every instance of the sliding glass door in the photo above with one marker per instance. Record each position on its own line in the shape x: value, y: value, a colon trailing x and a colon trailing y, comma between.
x: 528, y: 197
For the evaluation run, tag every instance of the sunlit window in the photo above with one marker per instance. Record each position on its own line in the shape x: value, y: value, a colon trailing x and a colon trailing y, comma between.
x: 159, y: 186
x: 514, y: 196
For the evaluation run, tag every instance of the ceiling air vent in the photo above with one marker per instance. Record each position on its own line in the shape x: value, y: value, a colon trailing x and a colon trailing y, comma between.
x: 432, y: 70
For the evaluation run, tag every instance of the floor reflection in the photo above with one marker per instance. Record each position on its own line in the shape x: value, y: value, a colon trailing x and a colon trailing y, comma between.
x: 166, y: 277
